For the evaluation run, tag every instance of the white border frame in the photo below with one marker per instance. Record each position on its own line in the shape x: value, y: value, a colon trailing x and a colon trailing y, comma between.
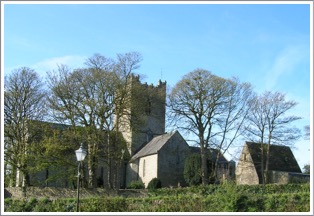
x: 3, y: 3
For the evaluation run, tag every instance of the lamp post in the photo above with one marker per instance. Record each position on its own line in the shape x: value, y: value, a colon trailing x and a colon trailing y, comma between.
x: 80, y: 156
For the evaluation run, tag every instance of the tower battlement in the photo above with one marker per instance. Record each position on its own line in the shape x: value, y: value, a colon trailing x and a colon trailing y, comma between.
x: 160, y: 84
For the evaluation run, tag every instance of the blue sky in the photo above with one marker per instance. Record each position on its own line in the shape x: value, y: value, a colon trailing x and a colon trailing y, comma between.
x: 267, y: 45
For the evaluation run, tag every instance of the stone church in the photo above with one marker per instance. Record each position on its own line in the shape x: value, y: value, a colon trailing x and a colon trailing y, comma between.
x: 151, y: 151
x: 155, y: 153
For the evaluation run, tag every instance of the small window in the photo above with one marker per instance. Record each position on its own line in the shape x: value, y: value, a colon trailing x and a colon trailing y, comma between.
x: 244, y: 157
x: 144, y: 168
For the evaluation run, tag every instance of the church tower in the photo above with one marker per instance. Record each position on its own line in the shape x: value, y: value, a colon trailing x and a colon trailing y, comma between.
x: 146, y: 110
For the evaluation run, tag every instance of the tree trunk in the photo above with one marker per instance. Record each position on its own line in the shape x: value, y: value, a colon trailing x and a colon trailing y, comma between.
x: 262, y: 163
x: 204, y: 166
x: 267, y: 160
x: 18, y: 178
x: 215, y: 171
x: 13, y: 176
x: 91, y: 175
x: 92, y: 181
x: 109, y: 170
x: 46, y: 177
x: 26, y: 180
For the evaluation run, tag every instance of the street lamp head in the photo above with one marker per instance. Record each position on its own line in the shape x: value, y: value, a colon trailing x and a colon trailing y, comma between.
x: 80, y: 153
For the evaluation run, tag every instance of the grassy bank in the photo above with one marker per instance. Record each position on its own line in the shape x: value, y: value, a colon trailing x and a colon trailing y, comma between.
x: 211, y: 198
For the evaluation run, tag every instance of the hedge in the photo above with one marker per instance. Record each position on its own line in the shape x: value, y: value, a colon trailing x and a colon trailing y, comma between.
x: 232, y: 188
x: 228, y: 198
x: 241, y: 203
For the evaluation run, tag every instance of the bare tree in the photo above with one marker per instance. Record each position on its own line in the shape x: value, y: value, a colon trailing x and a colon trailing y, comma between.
x: 231, y: 123
x: 127, y: 111
x: 84, y: 98
x: 307, y: 132
x: 271, y: 125
x: 209, y: 107
x: 257, y: 127
x: 95, y: 98
x: 280, y: 130
x: 24, y: 102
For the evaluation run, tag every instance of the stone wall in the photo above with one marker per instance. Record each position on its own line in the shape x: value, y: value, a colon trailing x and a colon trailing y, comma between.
x: 226, y: 171
x: 171, y: 159
x: 245, y: 170
x: 278, y: 177
x: 57, y: 193
x: 148, y: 168
x: 132, y: 170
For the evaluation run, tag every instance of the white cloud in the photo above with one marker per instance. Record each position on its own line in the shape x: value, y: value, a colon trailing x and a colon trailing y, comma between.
x: 51, y: 64
x: 285, y: 62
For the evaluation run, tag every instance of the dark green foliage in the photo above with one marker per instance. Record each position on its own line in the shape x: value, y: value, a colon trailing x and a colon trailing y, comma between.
x: 31, y: 205
x: 155, y: 183
x: 136, y: 185
x: 43, y: 205
x: 307, y: 169
x: 65, y: 205
x: 192, y: 170
x: 113, y: 204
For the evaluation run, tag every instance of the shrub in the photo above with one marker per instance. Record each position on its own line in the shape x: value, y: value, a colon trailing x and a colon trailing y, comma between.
x: 42, y: 205
x: 192, y: 170
x: 136, y: 185
x: 114, y: 204
x: 13, y: 205
x: 64, y: 205
x: 30, y: 204
x: 155, y: 183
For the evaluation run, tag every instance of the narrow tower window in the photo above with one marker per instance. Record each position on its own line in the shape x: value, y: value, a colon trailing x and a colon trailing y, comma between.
x: 148, y: 108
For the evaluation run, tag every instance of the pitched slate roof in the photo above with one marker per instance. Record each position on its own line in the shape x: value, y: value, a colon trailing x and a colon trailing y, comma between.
x: 212, y: 154
x: 281, y: 158
x: 154, y: 145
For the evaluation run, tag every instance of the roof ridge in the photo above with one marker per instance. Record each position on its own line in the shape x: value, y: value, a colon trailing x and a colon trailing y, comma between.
x: 153, y: 145
x: 250, y: 142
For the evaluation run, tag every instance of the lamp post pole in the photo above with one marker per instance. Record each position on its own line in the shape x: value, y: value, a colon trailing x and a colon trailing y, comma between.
x: 78, y: 186
x: 80, y: 156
